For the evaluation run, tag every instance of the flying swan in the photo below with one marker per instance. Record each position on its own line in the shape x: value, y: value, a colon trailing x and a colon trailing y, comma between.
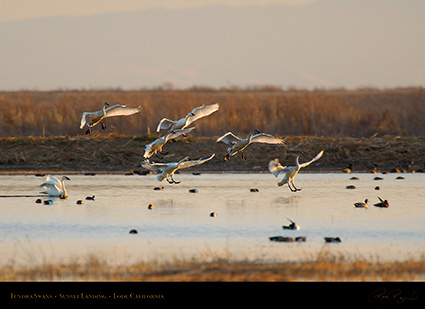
x: 156, y: 146
x: 168, y: 169
x: 93, y: 118
x: 239, y: 144
x: 194, y: 115
x: 290, y: 171
x: 55, y: 187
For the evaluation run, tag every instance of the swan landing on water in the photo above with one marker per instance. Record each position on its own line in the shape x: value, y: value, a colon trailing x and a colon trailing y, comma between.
x: 194, y: 115
x: 168, y: 169
x: 239, y: 144
x: 156, y: 146
x: 93, y: 118
x: 54, y: 186
x: 290, y: 171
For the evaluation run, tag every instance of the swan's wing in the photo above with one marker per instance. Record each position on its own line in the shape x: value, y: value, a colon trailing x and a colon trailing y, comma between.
x: 179, y: 132
x: 266, y: 138
x: 202, y: 111
x: 194, y: 162
x: 154, y: 166
x: 83, y: 120
x: 165, y: 124
x: 54, y: 180
x: 47, y: 184
x: 275, y: 167
x: 317, y: 157
x: 122, y: 110
x: 148, y: 149
x: 228, y: 138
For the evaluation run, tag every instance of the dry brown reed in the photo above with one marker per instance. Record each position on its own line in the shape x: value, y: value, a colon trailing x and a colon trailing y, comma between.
x: 112, y: 152
x: 322, y: 268
x: 355, y: 113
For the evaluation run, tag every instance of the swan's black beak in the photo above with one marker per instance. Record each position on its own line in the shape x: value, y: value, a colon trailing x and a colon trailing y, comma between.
x: 67, y: 178
x: 106, y: 103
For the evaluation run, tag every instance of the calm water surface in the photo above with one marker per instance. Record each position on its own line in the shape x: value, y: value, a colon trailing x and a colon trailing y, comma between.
x: 180, y: 226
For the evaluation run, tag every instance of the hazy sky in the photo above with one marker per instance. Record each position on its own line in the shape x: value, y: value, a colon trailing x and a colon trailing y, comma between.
x: 132, y: 44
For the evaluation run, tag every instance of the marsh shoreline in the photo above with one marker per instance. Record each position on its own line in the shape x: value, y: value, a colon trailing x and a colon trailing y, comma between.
x: 118, y: 154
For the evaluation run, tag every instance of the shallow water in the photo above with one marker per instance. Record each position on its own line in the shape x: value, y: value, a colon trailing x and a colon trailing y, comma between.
x: 180, y: 226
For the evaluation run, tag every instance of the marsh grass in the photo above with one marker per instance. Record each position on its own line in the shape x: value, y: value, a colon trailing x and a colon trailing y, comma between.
x: 117, y: 152
x: 338, y: 112
x: 325, y: 266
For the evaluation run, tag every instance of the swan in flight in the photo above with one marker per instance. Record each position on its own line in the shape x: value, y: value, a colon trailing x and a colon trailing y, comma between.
x: 290, y: 171
x: 194, y: 115
x: 54, y: 186
x: 239, y: 144
x: 93, y: 118
x: 156, y: 146
x: 168, y: 169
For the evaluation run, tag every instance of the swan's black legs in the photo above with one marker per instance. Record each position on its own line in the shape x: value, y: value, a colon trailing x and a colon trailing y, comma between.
x: 103, y: 126
x: 243, y: 158
x: 296, y: 189
x: 172, y: 181
x: 290, y: 188
x: 88, y: 131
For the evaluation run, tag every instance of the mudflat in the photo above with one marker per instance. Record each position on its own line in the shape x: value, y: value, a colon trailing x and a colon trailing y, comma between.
x: 112, y: 153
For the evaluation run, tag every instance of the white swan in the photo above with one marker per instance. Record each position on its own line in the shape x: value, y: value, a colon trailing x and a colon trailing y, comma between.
x: 168, y: 169
x: 156, y: 146
x: 239, y: 144
x: 93, y: 118
x: 194, y: 115
x: 55, y: 187
x: 290, y: 171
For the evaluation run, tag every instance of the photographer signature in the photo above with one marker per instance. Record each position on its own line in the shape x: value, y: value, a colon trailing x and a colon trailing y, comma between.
x: 394, y: 296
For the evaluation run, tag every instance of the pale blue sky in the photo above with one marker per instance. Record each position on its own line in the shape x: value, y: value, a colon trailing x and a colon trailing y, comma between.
x: 132, y: 44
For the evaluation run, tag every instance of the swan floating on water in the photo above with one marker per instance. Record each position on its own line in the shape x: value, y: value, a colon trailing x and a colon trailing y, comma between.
x: 55, y: 187
x: 156, y: 146
x: 168, y: 169
x: 239, y: 144
x: 93, y: 118
x: 290, y: 171
x: 194, y: 115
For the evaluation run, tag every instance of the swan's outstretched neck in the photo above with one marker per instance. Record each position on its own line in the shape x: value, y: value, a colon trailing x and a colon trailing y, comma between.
x: 104, y: 107
x: 297, y: 161
x: 252, y: 134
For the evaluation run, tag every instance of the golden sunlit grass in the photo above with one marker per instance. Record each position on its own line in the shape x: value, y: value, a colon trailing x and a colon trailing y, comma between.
x: 340, y: 112
x: 324, y: 267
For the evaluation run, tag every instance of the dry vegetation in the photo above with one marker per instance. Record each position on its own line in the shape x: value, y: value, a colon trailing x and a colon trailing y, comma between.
x: 324, y: 267
x: 119, y: 153
x: 354, y: 113
x: 365, y: 127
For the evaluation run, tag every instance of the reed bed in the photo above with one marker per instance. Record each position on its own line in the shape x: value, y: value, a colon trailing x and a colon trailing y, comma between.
x: 327, y: 267
x: 338, y: 112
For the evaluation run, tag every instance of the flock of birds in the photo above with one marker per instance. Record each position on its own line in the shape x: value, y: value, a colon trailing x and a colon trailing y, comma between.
x: 181, y: 128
